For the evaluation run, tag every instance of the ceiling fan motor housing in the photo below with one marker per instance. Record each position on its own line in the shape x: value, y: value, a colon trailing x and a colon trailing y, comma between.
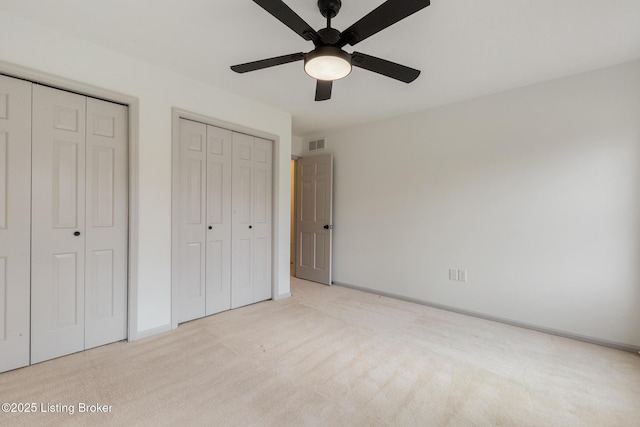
x: 328, y: 36
x: 329, y: 8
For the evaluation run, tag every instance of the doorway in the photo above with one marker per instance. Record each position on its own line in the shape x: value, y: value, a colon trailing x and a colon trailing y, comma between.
x: 292, y: 238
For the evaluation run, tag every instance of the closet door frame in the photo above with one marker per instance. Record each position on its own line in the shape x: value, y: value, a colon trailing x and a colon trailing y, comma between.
x: 178, y: 114
x: 40, y: 77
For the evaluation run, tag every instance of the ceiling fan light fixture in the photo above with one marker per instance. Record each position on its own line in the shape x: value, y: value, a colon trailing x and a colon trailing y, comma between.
x: 327, y: 63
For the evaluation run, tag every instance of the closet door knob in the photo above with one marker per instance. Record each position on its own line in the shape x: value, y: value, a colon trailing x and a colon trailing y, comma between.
x: 77, y: 233
x: 251, y: 226
x: 210, y: 228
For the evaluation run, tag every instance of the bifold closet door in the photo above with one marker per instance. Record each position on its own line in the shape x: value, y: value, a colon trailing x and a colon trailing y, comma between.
x: 58, y: 223
x: 251, y: 220
x: 15, y: 214
x: 218, y: 231
x: 262, y: 218
x: 106, y: 221
x: 79, y: 232
x: 191, y: 297
x: 204, y: 285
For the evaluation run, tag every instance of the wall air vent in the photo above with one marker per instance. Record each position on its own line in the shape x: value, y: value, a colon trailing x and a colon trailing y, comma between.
x: 316, y: 145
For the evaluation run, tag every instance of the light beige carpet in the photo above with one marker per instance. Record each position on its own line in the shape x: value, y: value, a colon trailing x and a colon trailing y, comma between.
x: 331, y: 356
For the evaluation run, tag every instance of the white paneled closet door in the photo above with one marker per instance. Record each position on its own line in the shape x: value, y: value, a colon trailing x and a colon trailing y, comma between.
x: 251, y: 220
x: 58, y: 223
x: 224, y: 220
x: 262, y: 218
x: 79, y: 223
x: 218, y: 232
x: 106, y: 223
x: 15, y: 213
x: 242, y: 217
x: 204, y: 285
x: 190, y: 295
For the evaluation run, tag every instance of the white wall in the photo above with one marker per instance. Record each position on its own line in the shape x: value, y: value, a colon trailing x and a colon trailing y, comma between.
x: 31, y: 45
x: 296, y: 145
x: 536, y: 192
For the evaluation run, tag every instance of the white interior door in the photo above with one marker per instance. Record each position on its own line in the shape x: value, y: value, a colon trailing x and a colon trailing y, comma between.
x: 313, y: 223
x: 218, y: 233
x: 58, y: 223
x: 106, y: 223
x: 15, y: 214
x: 191, y: 294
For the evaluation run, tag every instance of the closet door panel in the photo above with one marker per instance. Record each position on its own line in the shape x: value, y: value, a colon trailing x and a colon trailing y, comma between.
x: 106, y: 218
x: 218, y: 232
x: 232, y: 180
x: 242, y: 216
x: 58, y: 223
x: 15, y: 212
x: 191, y: 293
x: 262, y: 218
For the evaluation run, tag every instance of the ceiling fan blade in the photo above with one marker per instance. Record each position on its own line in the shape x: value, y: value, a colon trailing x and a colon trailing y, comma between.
x: 288, y: 17
x: 323, y: 90
x: 385, y: 15
x: 384, y: 67
x: 266, y: 63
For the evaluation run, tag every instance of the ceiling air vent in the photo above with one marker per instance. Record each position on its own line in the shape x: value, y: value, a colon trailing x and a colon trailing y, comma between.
x: 316, y: 145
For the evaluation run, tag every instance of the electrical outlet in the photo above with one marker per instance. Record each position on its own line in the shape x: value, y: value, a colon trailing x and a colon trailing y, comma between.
x: 462, y: 275
x: 453, y: 274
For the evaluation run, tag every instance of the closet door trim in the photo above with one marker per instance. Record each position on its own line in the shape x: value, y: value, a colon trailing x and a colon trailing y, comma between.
x: 39, y: 77
x: 178, y: 114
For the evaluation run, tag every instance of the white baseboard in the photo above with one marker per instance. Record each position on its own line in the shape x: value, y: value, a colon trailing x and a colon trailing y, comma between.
x: 150, y: 332
x: 282, y: 296
x: 577, y: 337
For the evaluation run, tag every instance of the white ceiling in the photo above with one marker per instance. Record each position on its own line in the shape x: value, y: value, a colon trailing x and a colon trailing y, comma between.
x: 465, y: 48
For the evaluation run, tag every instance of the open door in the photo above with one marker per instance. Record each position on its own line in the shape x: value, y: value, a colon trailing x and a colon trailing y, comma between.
x: 313, y: 218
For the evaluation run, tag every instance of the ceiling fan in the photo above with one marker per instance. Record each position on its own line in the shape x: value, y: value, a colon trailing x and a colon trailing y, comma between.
x: 328, y: 61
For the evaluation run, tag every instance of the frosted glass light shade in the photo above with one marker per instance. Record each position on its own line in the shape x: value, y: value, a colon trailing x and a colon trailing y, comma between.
x: 327, y: 63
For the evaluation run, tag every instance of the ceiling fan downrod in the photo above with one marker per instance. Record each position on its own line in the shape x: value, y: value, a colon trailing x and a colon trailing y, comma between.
x: 329, y: 9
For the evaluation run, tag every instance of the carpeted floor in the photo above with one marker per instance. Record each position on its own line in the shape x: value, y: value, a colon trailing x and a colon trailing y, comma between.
x: 331, y: 356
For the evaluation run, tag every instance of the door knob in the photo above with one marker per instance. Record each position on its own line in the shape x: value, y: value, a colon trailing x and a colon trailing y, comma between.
x: 77, y: 233
x: 251, y: 226
x: 327, y: 227
x: 210, y: 227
